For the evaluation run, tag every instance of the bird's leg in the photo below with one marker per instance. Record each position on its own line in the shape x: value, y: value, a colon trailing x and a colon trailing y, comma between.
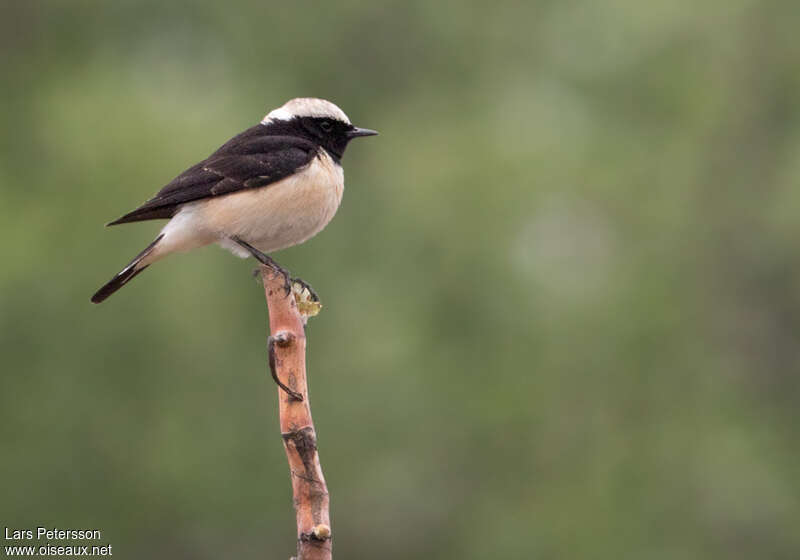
x: 267, y: 261
x: 272, y: 368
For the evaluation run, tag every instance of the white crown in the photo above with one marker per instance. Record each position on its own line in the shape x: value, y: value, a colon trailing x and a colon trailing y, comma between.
x: 306, y: 107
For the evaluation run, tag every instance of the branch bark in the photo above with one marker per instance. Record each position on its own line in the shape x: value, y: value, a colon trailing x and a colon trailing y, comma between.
x: 288, y: 363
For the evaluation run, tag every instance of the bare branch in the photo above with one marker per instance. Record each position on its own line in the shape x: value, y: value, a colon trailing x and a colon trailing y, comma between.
x: 286, y: 346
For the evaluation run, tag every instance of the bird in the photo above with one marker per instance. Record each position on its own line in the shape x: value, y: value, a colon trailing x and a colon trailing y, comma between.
x: 273, y: 186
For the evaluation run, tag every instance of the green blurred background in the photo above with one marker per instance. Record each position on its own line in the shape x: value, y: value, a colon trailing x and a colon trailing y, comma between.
x: 562, y: 295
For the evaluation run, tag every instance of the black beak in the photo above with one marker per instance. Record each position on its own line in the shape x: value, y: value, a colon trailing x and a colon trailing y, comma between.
x: 355, y: 132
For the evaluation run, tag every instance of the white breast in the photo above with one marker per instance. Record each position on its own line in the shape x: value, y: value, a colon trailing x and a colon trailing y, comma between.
x: 270, y: 218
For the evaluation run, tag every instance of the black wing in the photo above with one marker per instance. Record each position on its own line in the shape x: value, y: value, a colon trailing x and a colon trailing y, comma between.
x: 248, y: 160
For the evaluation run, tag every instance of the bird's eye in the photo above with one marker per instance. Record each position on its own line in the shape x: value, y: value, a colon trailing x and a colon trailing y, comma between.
x: 326, y: 126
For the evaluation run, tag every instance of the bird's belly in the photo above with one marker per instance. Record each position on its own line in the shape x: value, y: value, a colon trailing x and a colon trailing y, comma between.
x: 281, y: 214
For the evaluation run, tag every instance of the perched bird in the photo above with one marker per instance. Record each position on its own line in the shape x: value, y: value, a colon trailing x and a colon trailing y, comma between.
x: 273, y: 186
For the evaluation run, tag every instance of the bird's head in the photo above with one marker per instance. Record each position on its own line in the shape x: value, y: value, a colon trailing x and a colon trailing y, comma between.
x: 318, y: 120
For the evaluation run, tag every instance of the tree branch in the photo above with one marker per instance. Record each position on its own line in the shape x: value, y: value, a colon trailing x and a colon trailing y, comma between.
x: 287, y: 346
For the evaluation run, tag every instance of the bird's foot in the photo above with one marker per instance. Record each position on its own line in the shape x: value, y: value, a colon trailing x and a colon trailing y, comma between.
x: 267, y: 261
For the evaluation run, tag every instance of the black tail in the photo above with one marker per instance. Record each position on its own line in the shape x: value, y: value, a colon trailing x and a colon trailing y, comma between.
x: 124, y: 276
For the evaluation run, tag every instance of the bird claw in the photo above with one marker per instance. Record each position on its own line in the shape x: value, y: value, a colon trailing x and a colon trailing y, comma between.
x: 267, y: 261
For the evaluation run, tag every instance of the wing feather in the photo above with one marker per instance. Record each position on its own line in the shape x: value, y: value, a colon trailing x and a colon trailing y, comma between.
x: 249, y: 160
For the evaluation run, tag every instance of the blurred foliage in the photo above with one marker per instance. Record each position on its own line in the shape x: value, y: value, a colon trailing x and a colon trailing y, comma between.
x: 562, y: 295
